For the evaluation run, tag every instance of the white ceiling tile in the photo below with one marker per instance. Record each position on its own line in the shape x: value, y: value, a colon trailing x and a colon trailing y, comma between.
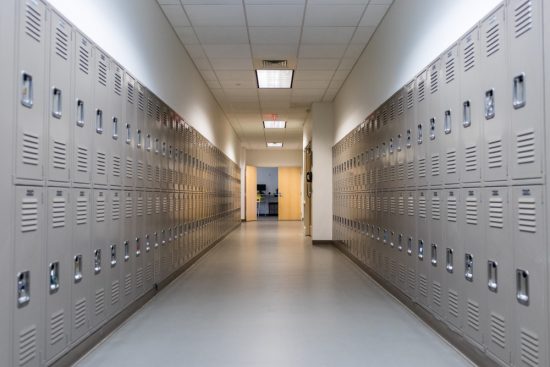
x: 313, y: 75
x: 274, y: 93
x: 215, y: 15
x: 274, y: 35
x: 347, y: 64
x: 317, y: 64
x: 299, y: 84
x: 211, y: 2
x: 222, y: 35
x: 269, y: 2
x: 213, y: 84
x: 338, y: 2
x: 232, y: 51
x: 323, y: 35
x: 373, y: 15
x: 384, y: 2
x: 354, y: 51
x: 335, y: 84
x: 274, y: 15
x: 322, y: 51
x: 175, y: 15
x: 168, y: 2
x: 330, y: 94
x: 208, y: 75
x: 341, y: 75
x: 274, y: 51
x: 186, y: 35
x: 237, y: 83
x: 363, y: 34
x: 313, y: 93
x: 202, y: 63
x: 231, y: 64
x: 244, y: 75
x: 195, y: 51
x: 331, y: 15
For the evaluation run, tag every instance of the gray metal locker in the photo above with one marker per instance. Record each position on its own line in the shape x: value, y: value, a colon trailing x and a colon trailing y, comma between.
x: 530, y: 277
x: 30, y: 277
x: 473, y: 264
x: 525, y: 82
x: 409, y: 244
x: 149, y: 126
x: 421, y: 130
x: 102, y: 80
x: 129, y: 131
x: 156, y: 233
x: 435, y: 255
x: 493, y: 86
x: 127, y: 250
x: 82, y: 111
x: 114, y: 121
x: 80, y: 263
x: 114, y: 256
x: 434, y: 124
x: 99, y: 257
x: 471, y: 115
x: 409, y: 127
x: 158, y: 142
x: 59, y: 96
x: 140, y: 136
x: 31, y: 66
x: 138, y: 243
x: 500, y: 273
x: 423, y: 248
x: 148, y: 238
x: 58, y: 270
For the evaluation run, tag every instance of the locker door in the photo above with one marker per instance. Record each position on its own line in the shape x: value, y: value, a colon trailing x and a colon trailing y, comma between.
x: 29, y: 279
x: 99, y: 258
x: 163, y: 131
x: 59, y: 97
x: 80, y: 264
x: 434, y: 124
x: 496, y: 125
x: 524, y: 81
x: 82, y: 111
x: 422, y: 248
x: 138, y: 239
x: 434, y: 255
x: 399, y: 140
x: 473, y: 265
x: 128, y: 248
x: 158, y: 142
x: 450, y: 115
x: 148, y: 245
x: 114, y: 128
x: 471, y: 115
x: 149, y: 139
x: 409, y: 122
x: 500, y: 271
x: 114, y: 256
x: 157, y: 238
x: 530, y: 277
x: 31, y: 81
x: 409, y: 246
x: 102, y: 80
x: 141, y: 138
x: 130, y: 129
x: 401, y: 239
x: 421, y: 130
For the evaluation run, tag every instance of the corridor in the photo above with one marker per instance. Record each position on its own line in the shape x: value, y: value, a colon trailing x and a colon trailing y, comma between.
x: 265, y: 297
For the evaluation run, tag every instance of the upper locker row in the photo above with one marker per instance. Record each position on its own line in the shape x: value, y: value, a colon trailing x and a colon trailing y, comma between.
x: 474, y: 115
x: 95, y: 124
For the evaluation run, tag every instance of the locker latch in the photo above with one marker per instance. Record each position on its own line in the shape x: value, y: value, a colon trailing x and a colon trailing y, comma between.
x: 410, y: 246
x: 54, y: 276
x: 79, y: 113
x: 56, y: 103
x: 138, y: 247
x: 447, y: 123
x: 26, y: 90
x: 23, y: 288
x: 469, y: 267
x: 432, y: 128
x: 115, y: 127
x: 97, y: 261
x: 421, y: 250
x: 434, y: 254
x: 466, y: 114
x: 419, y: 136
x: 522, y: 286
x: 128, y: 134
x: 449, y: 261
x: 77, y: 268
x: 492, y: 274
x: 99, y: 121
x: 113, y: 255
x: 409, y: 138
x: 489, y: 104
x: 400, y: 242
x: 519, y: 91
x: 126, y: 251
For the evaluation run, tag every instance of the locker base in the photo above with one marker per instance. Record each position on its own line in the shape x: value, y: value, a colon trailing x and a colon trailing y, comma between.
x: 456, y: 340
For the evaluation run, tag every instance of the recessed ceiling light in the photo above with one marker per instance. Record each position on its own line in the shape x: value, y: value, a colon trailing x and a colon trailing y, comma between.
x: 274, y: 145
x: 269, y: 124
x: 274, y: 78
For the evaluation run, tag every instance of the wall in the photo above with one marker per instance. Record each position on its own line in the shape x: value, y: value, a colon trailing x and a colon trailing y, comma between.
x: 321, y: 146
x: 137, y: 34
x: 274, y: 158
x: 411, y: 35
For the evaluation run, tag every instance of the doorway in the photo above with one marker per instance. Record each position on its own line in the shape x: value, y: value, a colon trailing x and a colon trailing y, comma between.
x: 267, y: 191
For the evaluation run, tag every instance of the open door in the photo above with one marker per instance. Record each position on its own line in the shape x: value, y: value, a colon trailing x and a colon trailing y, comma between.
x: 290, y: 193
x: 250, y: 194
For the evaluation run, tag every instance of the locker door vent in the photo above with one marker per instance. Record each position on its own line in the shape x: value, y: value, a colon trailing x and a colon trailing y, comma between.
x: 99, y: 301
x: 492, y: 40
x: 423, y: 285
x: 84, y: 59
x: 367, y: 202
x: 59, y: 155
x: 471, y: 210
x: 410, y: 206
x: 469, y: 56
x: 453, y: 303
x: 128, y: 207
x: 421, y: 90
x: 115, y: 292
x: 436, y: 208
x: 451, y: 209
x: 523, y: 18
x: 473, y: 315
x: 80, y: 313
x: 128, y: 284
x: 81, y: 210
x: 139, y: 206
x: 384, y: 202
x: 496, y: 213
x: 527, y: 215
x: 149, y: 206
x: 410, y: 170
x: 410, y: 98
x: 495, y: 154
x: 529, y: 348
x: 471, y: 158
x: 101, y: 163
x: 157, y: 205
x: 150, y: 108
x: 118, y: 83
x: 29, y: 214
x: 149, y: 272
x: 434, y: 80
x: 401, y: 172
x: 82, y: 159
x: 450, y: 70
x: 141, y: 101
x: 412, y: 279
x: 27, y: 345
x: 116, y: 166
x: 100, y: 209
x: 115, y: 213
x: 435, y: 164
x: 402, y: 274
x: 422, y: 207
x: 451, y: 162
x: 139, y: 277
x: 149, y: 172
x: 102, y: 72
x: 130, y: 95
x: 422, y: 167
x: 401, y: 205
x: 31, y: 149
x: 58, y: 212
x: 498, y: 330
x: 61, y: 43
x: 525, y: 147
x: 33, y: 22
x: 129, y: 168
x: 139, y: 170
x: 392, y: 205
x: 378, y: 204
x: 57, y: 327
x: 400, y: 106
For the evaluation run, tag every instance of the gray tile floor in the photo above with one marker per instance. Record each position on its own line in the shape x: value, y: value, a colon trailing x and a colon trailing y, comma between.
x: 265, y: 297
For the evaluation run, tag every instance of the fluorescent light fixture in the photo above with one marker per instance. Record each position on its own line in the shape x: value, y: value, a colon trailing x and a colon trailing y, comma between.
x: 274, y: 145
x: 274, y: 78
x: 269, y: 124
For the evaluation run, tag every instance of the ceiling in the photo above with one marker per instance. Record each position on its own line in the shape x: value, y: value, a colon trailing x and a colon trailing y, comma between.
x: 228, y: 39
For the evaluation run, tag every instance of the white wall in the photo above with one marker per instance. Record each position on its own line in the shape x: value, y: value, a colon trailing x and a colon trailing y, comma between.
x: 412, y: 34
x: 321, y: 147
x: 274, y: 158
x: 137, y: 35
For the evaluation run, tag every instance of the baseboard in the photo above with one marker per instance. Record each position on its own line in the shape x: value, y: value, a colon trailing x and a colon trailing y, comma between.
x: 321, y: 242
x: 87, y: 344
x: 476, y: 355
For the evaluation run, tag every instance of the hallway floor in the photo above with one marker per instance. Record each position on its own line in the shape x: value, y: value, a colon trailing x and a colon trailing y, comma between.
x: 265, y: 297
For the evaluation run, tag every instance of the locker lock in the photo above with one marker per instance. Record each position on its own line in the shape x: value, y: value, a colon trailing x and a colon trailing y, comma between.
x: 138, y: 246
x: 23, y: 288
x: 489, y: 104
x: 113, y: 255
x: 421, y: 250
x: 97, y: 261
x: 54, y: 276
x: 469, y: 267
x: 126, y: 251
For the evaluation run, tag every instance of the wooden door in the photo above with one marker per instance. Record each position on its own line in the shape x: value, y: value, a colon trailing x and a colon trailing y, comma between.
x: 290, y: 193
x: 251, y: 193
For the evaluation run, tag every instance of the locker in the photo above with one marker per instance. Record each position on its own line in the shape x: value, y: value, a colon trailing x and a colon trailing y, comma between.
x: 30, y: 278
x: 495, y: 125
x: 138, y: 246
x: 31, y: 61
x: 410, y: 235
x: 149, y: 126
x: 435, y: 255
x: 158, y: 142
x: 434, y: 124
x: 163, y: 135
x: 471, y: 115
x: 114, y: 124
x: 140, y: 137
x: 128, y: 248
x: 101, y: 82
x: 423, y: 248
x: 99, y: 257
x: 114, y: 256
x: 398, y: 142
x: 408, y: 131
x: 81, y: 270
x: 524, y: 81
x: 130, y: 131
x: 157, y: 238
x: 421, y: 129
x: 82, y: 111
x: 149, y: 227
x: 60, y: 55
x: 400, y: 242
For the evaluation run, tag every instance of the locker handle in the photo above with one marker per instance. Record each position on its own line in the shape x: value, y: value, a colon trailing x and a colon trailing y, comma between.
x: 519, y: 91
x: 128, y: 134
x: 138, y: 247
x: 57, y: 103
x: 492, y: 275
x: 400, y: 242
x: 466, y: 114
x: 99, y: 121
x: 409, y: 138
x: 23, y: 288
x: 138, y: 138
x: 147, y: 243
x: 399, y: 142
x: 447, y: 122
x: 54, y: 276
x: 79, y: 113
x: 469, y: 267
x: 432, y: 128
x: 148, y: 142
x: 27, y: 90
x: 126, y: 251
x: 113, y: 255
x: 97, y: 261
x: 115, y: 127
x: 522, y: 285
x: 409, y: 246
x: 77, y: 268
x: 419, y: 137
x: 449, y: 261
x: 434, y: 254
x: 421, y: 250
x: 489, y: 104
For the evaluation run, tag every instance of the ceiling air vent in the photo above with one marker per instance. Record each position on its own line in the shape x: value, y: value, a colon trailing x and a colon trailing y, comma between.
x: 274, y: 64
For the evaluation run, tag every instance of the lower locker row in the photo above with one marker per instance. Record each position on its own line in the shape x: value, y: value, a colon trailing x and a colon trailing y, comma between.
x: 83, y: 255
x: 474, y: 257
